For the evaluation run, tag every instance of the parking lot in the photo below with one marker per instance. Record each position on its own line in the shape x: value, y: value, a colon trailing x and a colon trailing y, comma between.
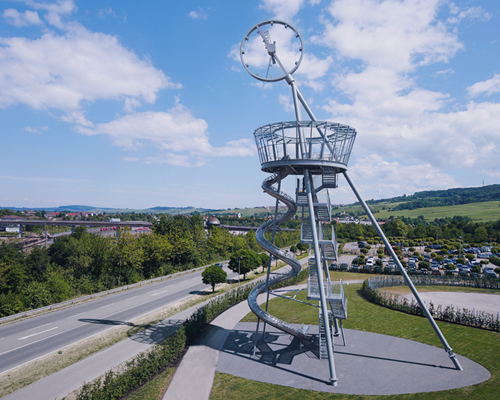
x: 420, y: 260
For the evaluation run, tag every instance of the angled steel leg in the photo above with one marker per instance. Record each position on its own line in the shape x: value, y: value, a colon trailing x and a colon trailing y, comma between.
x: 440, y: 335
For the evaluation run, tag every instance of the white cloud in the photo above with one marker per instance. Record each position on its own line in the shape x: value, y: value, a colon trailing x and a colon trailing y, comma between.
x: 286, y: 102
x: 471, y: 13
x: 36, y: 130
x: 312, y: 67
x: 63, y: 71
x: 393, y: 179
x: 18, y: 19
x: 284, y: 10
x: 395, y: 117
x: 393, y: 34
x: 172, y: 132
x: 262, y: 85
x: 487, y: 87
x: 55, y: 11
x: 198, y: 14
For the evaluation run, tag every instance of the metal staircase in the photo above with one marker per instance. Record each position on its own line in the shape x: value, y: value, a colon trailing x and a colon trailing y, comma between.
x: 323, y: 349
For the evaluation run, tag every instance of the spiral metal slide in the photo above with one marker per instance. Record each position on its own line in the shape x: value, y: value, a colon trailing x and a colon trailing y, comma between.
x: 267, y: 185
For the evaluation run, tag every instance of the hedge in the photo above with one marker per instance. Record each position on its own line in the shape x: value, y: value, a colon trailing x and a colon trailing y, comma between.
x: 464, y: 316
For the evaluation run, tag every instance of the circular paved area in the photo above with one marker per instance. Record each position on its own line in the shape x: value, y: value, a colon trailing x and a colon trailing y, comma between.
x: 369, y: 363
x: 489, y: 303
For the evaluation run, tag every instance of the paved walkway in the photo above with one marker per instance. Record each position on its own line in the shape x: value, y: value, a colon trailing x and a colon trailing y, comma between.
x: 387, y: 365
x: 489, y: 303
x: 368, y: 364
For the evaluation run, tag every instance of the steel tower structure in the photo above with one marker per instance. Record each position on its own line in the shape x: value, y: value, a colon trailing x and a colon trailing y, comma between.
x: 316, y: 152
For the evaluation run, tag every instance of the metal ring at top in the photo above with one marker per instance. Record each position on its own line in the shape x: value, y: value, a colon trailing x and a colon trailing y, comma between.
x: 254, y: 57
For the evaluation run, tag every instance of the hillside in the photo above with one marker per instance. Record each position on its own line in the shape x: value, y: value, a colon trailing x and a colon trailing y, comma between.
x: 478, y: 203
x: 438, y: 198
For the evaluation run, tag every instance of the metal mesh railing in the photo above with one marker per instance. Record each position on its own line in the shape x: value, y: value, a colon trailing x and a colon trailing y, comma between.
x: 305, y: 140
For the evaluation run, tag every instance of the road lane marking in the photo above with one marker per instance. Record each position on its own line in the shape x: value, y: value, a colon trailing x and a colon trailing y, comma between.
x: 107, y: 305
x: 38, y: 333
x: 41, y: 326
x: 36, y: 341
x: 76, y: 315
x: 154, y: 294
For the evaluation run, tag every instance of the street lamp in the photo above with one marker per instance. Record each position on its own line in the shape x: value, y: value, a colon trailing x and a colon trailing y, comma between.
x: 239, y: 260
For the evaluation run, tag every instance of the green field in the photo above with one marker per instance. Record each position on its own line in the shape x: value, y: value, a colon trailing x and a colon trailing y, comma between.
x: 486, y: 211
x: 479, y: 345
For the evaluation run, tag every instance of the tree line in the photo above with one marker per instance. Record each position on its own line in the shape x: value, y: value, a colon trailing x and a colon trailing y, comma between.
x: 449, y: 197
x: 418, y: 228
x: 84, y: 263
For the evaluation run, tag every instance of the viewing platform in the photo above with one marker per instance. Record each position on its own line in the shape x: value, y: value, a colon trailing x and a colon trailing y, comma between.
x: 316, y: 145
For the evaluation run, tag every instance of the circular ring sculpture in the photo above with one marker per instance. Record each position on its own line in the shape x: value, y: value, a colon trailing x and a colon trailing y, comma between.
x: 262, y: 62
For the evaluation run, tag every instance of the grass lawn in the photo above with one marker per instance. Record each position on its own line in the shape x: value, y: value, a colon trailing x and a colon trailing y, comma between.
x: 479, y: 345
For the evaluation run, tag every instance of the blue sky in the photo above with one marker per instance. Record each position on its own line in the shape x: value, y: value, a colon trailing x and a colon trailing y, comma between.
x: 139, y: 104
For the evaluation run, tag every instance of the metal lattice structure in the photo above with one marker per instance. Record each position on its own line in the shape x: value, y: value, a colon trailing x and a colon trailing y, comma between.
x: 316, y: 152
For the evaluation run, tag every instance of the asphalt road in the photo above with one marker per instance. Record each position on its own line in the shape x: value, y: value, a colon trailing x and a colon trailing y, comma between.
x: 27, y: 340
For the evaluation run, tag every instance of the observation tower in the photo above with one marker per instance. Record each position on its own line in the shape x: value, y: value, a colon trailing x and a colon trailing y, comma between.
x: 316, y: 152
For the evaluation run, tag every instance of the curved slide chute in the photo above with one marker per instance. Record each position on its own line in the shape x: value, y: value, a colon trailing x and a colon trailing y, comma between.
x: 267, y: 185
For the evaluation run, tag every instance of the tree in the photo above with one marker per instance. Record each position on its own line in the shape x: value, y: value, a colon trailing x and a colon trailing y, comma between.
x: 469, y: 256
x: 303, y: 247
x: 219, y: 242
x: 264, y: 260
x: 244, y: 261
x: 480, y: 234
x: 127, y: 258
x: 476, y: 269
x: 213, y: 275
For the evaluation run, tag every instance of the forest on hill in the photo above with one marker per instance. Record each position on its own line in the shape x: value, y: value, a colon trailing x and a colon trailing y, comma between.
x: 449, y: 197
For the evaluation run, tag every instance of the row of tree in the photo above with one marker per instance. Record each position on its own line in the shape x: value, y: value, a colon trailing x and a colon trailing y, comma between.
x: 84, y: 263
x: 419, y: 229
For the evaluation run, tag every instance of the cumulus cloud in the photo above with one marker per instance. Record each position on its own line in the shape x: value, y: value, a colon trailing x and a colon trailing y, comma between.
x: 394, y: 179
x: 381, y: 97
x: 487, y: 87
x: 63, y: 71
x: 398, y: 35
x: 55, y: 12
x: 181, y: 138
x: 18, y: 19
x: 280, y: 9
